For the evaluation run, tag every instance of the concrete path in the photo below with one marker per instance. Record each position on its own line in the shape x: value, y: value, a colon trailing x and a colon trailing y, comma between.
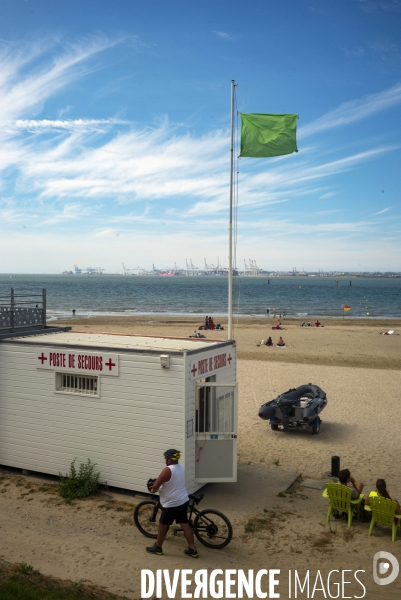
x: 256, y: 489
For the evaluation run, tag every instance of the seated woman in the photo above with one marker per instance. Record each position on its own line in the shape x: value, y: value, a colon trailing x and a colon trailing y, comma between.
x: 269, y: 342
x: 281, y: 343
x: 383, y: 493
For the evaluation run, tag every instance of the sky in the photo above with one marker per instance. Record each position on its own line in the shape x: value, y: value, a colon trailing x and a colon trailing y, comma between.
x: 115, y: 134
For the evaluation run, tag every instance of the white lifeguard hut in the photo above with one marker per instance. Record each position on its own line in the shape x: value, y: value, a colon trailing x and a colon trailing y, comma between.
x: 120, y: 400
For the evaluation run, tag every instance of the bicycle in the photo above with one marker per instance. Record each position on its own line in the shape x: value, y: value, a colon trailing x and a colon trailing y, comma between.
x: 211, y: 527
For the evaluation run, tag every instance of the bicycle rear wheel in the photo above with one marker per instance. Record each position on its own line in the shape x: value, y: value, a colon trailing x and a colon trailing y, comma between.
x: 145, y: 517
x: 213, y: 529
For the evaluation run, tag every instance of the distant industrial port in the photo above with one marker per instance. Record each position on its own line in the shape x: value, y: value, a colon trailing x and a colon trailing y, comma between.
x: 250, y: 269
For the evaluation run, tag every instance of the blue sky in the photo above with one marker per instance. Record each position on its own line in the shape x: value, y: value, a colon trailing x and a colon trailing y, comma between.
x: 114, y: 133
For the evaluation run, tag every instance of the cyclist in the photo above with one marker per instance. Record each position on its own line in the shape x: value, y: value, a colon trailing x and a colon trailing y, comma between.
x: 174, y: 501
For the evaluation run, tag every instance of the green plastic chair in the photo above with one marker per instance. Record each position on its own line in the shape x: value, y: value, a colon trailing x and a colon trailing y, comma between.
x: 383, y: 512
x: 340, y: 497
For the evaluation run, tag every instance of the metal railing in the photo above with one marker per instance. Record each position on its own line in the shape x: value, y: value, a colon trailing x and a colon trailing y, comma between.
x: 22, y: 309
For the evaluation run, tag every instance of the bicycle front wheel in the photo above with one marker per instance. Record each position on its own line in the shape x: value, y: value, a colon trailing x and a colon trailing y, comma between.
x: 145, y: 517
x: 213, y: 529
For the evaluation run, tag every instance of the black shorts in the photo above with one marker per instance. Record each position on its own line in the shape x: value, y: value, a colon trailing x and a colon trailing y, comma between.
x: 174, y: 513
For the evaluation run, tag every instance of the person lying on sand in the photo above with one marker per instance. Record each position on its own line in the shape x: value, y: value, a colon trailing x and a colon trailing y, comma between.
x: 381, y: 491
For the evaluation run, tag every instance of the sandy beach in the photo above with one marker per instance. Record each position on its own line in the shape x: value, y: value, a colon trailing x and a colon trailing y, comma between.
x: 358, y: 368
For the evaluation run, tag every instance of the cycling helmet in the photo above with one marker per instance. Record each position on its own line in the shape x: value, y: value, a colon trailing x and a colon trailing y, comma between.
x: 173, y: 454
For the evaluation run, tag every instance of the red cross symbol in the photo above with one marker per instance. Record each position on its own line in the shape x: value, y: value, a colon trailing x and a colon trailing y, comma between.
x: 229, y: 359
x: 42, y: 358
x: 110, y: 364
x: 193, y: 370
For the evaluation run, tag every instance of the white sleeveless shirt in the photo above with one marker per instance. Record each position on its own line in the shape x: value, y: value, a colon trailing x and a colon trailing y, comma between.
x: 173, y: 492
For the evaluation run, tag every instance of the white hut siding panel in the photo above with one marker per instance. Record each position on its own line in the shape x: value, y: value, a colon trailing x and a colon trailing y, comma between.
x: 125, y: 430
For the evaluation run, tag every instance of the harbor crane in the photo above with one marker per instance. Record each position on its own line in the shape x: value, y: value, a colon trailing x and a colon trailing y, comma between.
x: 191, y: 269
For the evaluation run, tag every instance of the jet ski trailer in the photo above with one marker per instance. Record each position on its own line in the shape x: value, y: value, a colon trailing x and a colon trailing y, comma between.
x: 299, y: 407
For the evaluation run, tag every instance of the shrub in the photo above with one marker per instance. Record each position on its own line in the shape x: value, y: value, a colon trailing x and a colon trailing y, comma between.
x: 24, y: 568
x: 81, y: 483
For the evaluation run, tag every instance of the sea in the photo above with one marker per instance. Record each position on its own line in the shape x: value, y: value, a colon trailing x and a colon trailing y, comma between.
x: 301, y: 297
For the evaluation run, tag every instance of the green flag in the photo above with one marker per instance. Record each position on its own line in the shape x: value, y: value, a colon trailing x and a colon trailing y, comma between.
x: 268, y: 135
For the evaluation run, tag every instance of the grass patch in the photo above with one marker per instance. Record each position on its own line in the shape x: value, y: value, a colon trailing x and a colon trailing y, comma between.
x: 49, y: 488
x: 22, y: 582
x: 323, y: 541
x: 24, y: 568
x: 126, y: 521
x: 349, y: 533
x: 269, y: 522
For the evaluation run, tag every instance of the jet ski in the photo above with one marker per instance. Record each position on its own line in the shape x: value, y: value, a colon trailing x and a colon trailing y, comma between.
x: 299, y: 407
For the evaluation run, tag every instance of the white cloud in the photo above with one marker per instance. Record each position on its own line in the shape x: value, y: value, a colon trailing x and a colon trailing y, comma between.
x: 114, y: 183
x: 24, y: 85
x: 47, y: 125
x: 353, y: 111
x: 328, y: 195
x: 69, y: 212
x: 224, y: 36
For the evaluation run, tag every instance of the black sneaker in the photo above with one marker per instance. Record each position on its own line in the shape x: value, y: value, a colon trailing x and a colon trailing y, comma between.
x: 155, y: 549
x: 191, y: 552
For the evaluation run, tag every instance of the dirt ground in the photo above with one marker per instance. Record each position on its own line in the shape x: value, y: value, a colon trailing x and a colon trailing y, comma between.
x: 95, y: 539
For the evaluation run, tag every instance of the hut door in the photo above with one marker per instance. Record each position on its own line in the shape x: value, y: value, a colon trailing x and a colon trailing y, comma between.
x: 216, y: 432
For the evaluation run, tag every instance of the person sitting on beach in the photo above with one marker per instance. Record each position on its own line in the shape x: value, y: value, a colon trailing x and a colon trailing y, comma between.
x: 269, y: 342
x: 304, y: 324
x: 383, y: 493
x: 317, y: 324
x: 281, y: 342
x: 344, y: 478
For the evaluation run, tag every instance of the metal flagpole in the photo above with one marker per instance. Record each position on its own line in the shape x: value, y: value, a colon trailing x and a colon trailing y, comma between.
x: 230, y: 224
